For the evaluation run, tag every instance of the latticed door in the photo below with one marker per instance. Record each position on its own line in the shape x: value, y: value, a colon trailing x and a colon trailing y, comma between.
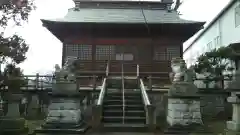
x: 104, y: 54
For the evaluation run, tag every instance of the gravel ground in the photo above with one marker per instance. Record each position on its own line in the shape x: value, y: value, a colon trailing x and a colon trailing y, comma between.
x: 217, y: 127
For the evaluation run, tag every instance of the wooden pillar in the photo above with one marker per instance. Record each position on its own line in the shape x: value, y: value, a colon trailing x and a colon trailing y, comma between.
x: 93, y: 49
x: 152, y: 54
x: 63, y: 53
x: 181, y: 50
x: 93, y: 56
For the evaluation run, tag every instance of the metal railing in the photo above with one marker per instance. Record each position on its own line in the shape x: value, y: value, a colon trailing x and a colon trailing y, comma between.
x: 149, y: 108
x: 102, y: 92
x: 137, y: 70
x: 144, y: 93
x: 107, y: 69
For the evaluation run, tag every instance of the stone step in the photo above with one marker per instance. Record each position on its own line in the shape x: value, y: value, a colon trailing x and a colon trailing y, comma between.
x: 113, y: 127
x: 134, y: 107
x: 113, y: 102
x: 133, y: 102
x: 120, y: 102
x: 130, y: 120
x: 139, y: 113
x: 112, y: 107
x: 127, y: 107
x: 112, y: 113
x: 119, y: 97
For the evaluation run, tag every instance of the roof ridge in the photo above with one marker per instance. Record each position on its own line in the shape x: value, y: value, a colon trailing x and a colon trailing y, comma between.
x: 130, y: 1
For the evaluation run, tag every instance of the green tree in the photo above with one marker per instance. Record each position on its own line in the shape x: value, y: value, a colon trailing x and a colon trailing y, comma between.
x: 214, y: 63
x: 13, y: 48
x: 13, y: 78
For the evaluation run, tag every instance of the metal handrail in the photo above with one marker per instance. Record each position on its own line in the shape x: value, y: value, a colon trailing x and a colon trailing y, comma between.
x: 144, y: 93
x: 102, y: 92
x: 107, y: 69
x: 123, y: 94
x: 137, y: 70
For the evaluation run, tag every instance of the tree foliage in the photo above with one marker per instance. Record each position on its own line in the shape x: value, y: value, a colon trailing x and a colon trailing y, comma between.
x: 215, y: 62
x: 13, y: 48
x: 13, y: 78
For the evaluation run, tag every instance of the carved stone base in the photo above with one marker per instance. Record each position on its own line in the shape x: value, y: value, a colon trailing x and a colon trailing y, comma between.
x: 183, y: 111
x: 78, y: 129
x: 13, y: 125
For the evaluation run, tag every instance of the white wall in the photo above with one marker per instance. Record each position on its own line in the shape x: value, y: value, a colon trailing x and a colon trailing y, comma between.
x: 200, y: 45
x: 223, y: 27
x: 230, y: 33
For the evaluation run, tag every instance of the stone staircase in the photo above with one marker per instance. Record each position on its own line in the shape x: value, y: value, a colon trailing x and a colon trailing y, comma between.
x: 124, y: 113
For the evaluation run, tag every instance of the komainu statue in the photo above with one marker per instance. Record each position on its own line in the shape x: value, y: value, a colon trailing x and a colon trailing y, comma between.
x: 181, y: 78
x: 180, y: 72
x: 65, y: 79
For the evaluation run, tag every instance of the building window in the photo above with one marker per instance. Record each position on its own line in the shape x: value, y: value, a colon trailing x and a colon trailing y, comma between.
x: 209, y: 46
x: 173, y: 52
x: 166, y: 53
x: 82, y: 52
x: 85, y: 52
x: 71, y: 50
x: 217, y: 41
x: 124, y: 56
x: 105, y: 52
x: 237, y: 15
x: 159, y: 53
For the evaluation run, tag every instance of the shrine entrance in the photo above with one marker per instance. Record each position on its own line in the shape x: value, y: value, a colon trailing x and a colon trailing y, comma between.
x: 124, y: 60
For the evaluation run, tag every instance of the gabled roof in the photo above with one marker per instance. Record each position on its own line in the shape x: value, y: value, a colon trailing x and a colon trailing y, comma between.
x: 211, y: 23
x: 87, y: 15
x: 122, y: 12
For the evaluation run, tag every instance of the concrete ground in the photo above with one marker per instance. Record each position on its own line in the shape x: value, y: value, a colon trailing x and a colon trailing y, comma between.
x: 217, y: 127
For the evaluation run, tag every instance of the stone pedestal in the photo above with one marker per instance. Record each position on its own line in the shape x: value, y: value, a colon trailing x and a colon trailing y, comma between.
x: 12, y: 122
x: 184, y: 115
x: 184, y: 111
x: 33, y: 109
x: 64, y: 112
x: 233, y: 126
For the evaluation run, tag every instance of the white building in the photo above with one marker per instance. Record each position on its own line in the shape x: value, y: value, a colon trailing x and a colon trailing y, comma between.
x: 223, y: 30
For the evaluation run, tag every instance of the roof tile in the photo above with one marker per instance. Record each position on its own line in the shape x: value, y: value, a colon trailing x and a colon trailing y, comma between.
x: 122, y: 16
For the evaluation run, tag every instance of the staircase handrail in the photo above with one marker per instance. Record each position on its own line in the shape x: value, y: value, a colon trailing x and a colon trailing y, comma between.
x: 144, y: 93
x: 107, y: 69
x: 137, y: 70
x: 149, y: 108
x: 102, y: 92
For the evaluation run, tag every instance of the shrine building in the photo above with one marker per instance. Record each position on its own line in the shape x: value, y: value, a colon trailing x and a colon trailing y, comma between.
x: 123, y: 33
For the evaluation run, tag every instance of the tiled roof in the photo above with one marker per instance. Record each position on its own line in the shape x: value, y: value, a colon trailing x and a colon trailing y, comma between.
x: 122, y: 16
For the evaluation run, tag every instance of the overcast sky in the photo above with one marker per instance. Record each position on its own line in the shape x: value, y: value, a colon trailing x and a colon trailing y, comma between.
x: 45, y: 50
